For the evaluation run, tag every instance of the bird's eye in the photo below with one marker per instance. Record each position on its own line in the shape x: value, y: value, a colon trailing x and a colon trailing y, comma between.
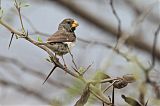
x: 68, y: 22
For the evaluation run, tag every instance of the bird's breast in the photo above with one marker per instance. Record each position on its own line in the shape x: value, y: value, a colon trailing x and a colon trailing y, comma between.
x: 70, y: 44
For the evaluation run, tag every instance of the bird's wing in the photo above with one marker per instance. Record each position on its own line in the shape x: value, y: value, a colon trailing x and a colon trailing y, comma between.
x: 61, y: 36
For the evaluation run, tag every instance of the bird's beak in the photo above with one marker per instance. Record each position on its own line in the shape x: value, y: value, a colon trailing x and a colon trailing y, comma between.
x: 75, y: 24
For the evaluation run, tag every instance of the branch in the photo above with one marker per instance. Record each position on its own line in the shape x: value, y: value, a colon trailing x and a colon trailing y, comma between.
x: 118, y: 19
x: 37, y: 44
x: 17, y: 5
x: 93, y: 89
x: 154, y: 48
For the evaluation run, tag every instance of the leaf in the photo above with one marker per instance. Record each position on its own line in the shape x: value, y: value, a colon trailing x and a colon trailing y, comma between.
x: 40, y: 39
x: 131, y: 101
x: 100, y: 76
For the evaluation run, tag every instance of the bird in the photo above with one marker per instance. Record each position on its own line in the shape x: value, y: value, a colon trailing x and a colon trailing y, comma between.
x: 63, y: 40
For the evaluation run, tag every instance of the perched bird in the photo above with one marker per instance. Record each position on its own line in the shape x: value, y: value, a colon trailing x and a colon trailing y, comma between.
x: 63, y: 40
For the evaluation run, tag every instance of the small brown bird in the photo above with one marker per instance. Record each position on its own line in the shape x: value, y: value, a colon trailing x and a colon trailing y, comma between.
x: 63, y: 40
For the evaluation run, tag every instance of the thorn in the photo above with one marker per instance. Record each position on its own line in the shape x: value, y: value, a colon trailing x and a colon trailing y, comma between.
x: 49, y: 74
x: 76, y: 70
x: 87, y: 68
x: 10, y: 40
x: 113, y: 96
x: 27, y: 34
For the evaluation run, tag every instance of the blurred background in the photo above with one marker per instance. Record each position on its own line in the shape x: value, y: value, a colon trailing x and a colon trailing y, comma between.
x: 23, y: 67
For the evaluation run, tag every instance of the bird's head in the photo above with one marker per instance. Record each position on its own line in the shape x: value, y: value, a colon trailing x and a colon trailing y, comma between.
x: 68, y: 25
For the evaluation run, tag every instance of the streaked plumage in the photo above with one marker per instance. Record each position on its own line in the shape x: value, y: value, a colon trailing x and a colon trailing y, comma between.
x: 61, y: 40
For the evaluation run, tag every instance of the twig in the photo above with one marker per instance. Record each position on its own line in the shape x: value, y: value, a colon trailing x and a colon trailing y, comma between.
x: 154, y: 48
x: 119, y: 21
x: 146, y: 71
x: 86, y: 69
x: 76, y: 71
x: 73, y: 59
x: 19, y: 13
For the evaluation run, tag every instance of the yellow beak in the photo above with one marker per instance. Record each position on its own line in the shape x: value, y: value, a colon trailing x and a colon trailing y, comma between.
x: 75, y: 24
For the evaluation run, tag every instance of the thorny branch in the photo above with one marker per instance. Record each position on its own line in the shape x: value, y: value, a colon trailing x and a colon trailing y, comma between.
x: 59, y: 65
x: 55, y: 59
x: 36, y: 44
x: 124, y: 55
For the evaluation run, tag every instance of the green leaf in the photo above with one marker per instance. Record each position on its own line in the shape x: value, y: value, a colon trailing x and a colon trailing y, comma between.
x: 40, y: 39
x: 131, y: 101
x: 101, y: 76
